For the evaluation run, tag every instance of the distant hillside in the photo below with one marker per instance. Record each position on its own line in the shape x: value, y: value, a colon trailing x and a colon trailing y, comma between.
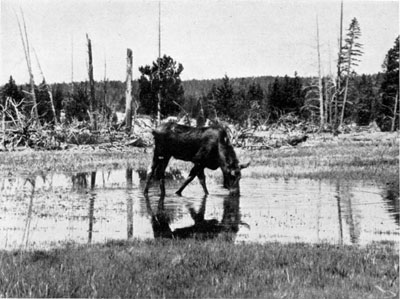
x: 202, y: 87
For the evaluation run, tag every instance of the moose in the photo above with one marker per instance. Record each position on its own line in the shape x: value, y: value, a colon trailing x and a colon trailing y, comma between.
x: 206, y: 147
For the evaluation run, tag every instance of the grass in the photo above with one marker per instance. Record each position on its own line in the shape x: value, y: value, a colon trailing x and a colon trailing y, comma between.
x: 339, y: 158
x: 182, y: 269
x: 36, y: 162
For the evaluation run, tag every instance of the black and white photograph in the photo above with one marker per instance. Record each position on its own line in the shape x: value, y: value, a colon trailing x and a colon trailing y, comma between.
x: 199, y: 149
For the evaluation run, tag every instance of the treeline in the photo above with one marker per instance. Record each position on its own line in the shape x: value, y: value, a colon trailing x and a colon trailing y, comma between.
x: 247, y: 101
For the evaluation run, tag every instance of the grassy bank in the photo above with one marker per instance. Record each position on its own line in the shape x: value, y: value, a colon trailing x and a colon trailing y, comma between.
x: 322, y: 157
x: 182, y: 269
x: 344, y: 159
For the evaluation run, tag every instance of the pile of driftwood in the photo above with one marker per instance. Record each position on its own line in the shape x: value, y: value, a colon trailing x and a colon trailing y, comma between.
x: 62, y: 137
x: 20, y: 133
x: 266, y: 139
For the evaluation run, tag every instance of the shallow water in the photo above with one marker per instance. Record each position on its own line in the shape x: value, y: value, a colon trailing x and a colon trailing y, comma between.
x: 46, y: 211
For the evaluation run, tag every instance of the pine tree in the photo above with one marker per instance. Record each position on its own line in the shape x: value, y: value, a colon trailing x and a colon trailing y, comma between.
x: 350, y: 53
x: 164, y: 77
x: 390, y: 88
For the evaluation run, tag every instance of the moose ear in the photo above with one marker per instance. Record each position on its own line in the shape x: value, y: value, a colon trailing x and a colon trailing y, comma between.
x: 245, y: 165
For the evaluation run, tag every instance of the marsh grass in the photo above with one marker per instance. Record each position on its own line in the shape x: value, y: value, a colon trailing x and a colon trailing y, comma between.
x: 328, y: 158
x: 343, y: 159
x: 181, y: 269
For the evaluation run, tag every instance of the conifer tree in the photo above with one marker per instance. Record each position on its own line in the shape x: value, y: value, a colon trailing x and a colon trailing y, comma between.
x: 351, y: 52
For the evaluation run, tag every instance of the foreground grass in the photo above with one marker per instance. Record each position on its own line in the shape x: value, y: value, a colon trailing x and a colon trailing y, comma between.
x: 182, y: 269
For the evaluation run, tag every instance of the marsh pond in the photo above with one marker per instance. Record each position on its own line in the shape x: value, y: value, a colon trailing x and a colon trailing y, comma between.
x: 50, y: 210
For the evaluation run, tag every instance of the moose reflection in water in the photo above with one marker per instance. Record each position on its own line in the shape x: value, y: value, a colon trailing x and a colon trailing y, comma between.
x: 202, y: 228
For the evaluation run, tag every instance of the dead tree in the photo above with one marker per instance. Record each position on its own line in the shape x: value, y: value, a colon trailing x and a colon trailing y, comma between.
x: 25, y: 44
x: 128, y: 92
x: 47, y: 89
x: 92, y: 105
x: 320, y: 91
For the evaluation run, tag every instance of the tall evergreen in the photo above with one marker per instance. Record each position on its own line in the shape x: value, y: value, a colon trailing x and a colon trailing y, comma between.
x: 389, y: 110
x: 350, y: 58
x: 163, y: 77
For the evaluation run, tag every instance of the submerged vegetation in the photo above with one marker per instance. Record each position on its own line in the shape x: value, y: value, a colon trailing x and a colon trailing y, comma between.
x: 182, y: 269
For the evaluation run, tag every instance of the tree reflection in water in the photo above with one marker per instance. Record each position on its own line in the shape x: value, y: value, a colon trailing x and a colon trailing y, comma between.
x: 27, y: 229
x: 392, y: 198
x: 92, y: 197
x: 129, y: 203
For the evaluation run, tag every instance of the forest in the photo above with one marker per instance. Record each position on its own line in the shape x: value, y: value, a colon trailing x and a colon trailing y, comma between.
x: 328, y: 102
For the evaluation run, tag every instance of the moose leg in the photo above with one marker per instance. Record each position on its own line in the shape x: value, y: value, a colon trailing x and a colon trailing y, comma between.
x: 150, y: 175
x: 157, y: 167
x: 161, y: 171
x: 192, y: 175
x: 202, y: 179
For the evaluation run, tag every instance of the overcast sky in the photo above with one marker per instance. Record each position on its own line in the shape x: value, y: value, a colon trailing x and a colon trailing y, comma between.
x: 210, y: 38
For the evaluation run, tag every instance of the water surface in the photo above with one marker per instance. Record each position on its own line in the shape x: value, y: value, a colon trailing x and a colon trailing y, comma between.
x: 46, y: 211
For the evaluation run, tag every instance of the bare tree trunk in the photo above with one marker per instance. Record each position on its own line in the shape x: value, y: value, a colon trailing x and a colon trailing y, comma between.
x: 320, y: 91
x: 346, y: 88
x: 52, y: 104
x: 326, y: 101
x: 72, y: 65
x: 3, y: 124
x: 339, y: 75
x: 104, y: 104
x: 159, y: 64
x: 48, y: 90
x: 92, y: 105
x: 396, y: 103
x: 25, y: 44
x: 159, y: 108
x: 128, y: 92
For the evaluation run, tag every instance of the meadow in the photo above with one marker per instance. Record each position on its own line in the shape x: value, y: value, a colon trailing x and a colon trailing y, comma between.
x: 374, y: 157
x: 217, y: 268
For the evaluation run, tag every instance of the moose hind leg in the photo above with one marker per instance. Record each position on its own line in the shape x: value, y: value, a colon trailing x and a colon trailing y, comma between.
x: 192, y: 175
x: 161, y: 173
x: 149, y: 177
x: 202, y: 179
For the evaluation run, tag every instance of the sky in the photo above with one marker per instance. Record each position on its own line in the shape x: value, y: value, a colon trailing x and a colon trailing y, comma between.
x: 211, y: 38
